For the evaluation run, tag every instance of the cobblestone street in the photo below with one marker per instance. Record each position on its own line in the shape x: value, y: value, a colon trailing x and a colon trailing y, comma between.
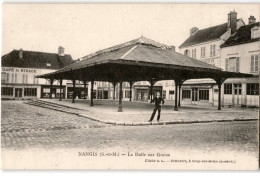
x: 61, y: 130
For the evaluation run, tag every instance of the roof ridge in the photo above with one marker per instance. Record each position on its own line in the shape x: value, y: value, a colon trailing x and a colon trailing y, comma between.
x: 129, y: 51
x: 212, y: 26
x: 40, y: 52
x: 140, y: 40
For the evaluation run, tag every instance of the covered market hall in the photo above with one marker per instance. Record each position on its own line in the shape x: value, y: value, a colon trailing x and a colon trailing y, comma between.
x: 141, y: 59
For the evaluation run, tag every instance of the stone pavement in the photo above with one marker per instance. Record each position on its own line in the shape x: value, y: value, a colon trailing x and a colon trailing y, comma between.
x: 26, y: 127
x: 138, y: 113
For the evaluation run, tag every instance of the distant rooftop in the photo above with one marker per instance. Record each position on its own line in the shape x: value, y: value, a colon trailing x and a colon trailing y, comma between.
x: 204, y: 35
x: 243, y: 35
x: 35, y: 59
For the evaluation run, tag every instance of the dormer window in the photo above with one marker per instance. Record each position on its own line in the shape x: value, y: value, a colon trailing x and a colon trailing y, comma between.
x: 48, y: 64
x: 255, y: 32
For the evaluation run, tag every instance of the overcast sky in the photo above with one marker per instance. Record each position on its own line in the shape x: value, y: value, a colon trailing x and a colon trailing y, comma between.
x: 83, y: 29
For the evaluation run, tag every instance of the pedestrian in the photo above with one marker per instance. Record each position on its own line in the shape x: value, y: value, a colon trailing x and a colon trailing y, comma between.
x: 158, y: 100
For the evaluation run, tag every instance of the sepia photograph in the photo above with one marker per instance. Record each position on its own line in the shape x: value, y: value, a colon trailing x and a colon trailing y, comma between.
x: 130, y: 86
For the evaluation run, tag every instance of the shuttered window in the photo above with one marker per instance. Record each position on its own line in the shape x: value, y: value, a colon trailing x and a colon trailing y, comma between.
x: 254, y: 63
x: 232, y: 64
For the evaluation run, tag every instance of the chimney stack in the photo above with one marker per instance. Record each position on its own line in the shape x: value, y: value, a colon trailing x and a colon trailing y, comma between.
x: 172, y: 48
x: 21, y: 53
x: 61, y: 51
x: 251, y: 19
x: 193, y: 30
x: 232, y: 21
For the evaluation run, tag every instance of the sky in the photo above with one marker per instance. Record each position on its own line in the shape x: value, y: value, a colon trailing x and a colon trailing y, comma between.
x: 85, y: 28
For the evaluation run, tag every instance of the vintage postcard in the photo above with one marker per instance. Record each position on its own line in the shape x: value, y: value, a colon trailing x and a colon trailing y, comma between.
x: 130, y: 86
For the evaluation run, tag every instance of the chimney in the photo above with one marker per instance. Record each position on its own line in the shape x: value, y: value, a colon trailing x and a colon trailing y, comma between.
x: 61, y: 51
x: 193, y: 30
x: 172, y: 48
x: 251, y: 19
x: 21, y: 53
x: 232, y: 21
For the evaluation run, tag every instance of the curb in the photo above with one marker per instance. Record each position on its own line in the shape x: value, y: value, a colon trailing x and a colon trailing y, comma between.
x: 160, y: 123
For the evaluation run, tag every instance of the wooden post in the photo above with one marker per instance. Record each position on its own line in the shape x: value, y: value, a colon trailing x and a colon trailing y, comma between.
x: 219, y: 96
x: 131, y: 83
x: 73, y: 94
x: 114, y: 90
x: 51, y: 82
x: 120, y: 98
x: 219, y: 82
x: 91, y: 93
x: 85, y: 84
x: 176, y: 95
x: 60, y: 88
x: 151, y: 90
x: 180, y: 84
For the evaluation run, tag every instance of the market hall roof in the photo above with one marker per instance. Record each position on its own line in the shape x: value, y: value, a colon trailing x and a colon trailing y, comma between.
x: 204, y: 35
x: 242, y: 36
x: 35, y: 59
x: 137, y: 60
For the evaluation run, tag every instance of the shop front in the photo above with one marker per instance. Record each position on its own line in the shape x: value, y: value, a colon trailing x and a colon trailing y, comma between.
x: 198, y: 94
x: 56, y: 91
x: 79, y: 93
x: 142, y: 93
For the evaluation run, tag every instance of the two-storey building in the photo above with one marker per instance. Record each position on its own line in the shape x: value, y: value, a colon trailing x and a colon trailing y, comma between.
x: 240, y: 53
x: 19, y: 71
x: 204, y: 45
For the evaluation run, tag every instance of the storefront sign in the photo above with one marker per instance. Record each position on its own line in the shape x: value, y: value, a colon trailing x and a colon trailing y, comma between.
x: 18, y: 70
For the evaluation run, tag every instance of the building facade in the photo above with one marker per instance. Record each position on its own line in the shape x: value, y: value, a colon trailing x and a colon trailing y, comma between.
x: 210, y: 45
x: 19, y: 71
x: 240, y: 53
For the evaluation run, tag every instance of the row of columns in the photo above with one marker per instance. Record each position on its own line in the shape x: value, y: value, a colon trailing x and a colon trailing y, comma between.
x: 178, y: 84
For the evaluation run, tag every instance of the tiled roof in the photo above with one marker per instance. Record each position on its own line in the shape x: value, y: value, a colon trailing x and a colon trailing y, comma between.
x: 141, y: 40
x: 33, y: 59
x: 243, y: 35
x: 140, y: 52
x: 204, y: 35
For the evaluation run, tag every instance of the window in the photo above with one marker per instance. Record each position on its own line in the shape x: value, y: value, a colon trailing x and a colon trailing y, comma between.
x: 32, y: 92
x: 212, y: 50
x: 255, y: 32
x: 127, y: 93
x: 171, y: 92
x: 8, y: 91
x: 3, y: 77
x: 203, y: 49
x: 193, y: 53
x: 203, y: 94
x: 12, y: 78
x: 187, y: 52
x: 35, y: 80
x: 254, y: 63
x: 252, y: 89
x: 48, y: 64
x: 164, y: 94
x: 227, y: 88
x: 186, y: 94
x: 25, y: 78
x: 232, y: 64
x: 7, y: 77
x: 15, y: 78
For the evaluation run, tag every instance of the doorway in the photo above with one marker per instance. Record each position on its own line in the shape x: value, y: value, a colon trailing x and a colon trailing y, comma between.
x: 194, y: 97
x: 18, y: 93
x: 237, y: 94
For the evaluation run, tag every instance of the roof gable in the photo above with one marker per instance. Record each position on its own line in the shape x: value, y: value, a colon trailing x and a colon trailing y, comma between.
x: 243, y: 35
